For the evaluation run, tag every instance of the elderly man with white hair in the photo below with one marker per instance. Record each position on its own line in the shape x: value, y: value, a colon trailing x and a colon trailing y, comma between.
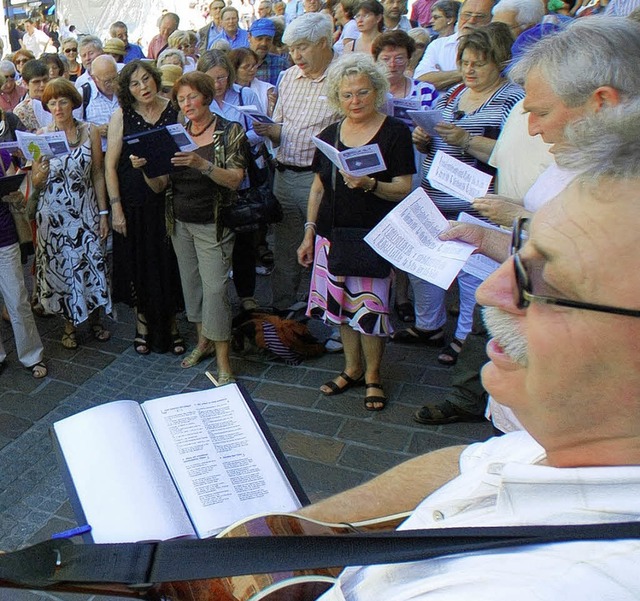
x: 303, y: 112
x: 562, y: 313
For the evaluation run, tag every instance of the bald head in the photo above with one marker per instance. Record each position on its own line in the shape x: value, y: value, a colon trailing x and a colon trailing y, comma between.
x: 104, y: 73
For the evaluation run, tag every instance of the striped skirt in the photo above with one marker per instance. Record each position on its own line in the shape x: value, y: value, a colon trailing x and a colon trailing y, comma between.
x: 361, y: 303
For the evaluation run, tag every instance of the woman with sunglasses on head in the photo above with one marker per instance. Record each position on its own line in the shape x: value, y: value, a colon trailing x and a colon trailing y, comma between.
x: 69, y: 47
x: 474, y: 112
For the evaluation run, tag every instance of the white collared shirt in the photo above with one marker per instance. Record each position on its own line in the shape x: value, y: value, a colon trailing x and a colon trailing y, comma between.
x: 502, y: 483
x: 440, y: 55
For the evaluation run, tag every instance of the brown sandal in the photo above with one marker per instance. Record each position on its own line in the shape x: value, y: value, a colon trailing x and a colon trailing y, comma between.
x: 370, y: 400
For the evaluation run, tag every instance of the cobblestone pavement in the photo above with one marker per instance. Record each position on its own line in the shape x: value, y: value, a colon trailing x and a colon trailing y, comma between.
x: 332, y: 443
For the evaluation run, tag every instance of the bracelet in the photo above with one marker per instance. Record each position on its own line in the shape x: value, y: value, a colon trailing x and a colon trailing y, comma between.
x: 208, y: 170
x: 105, y: 212
x: 114, y: 201
x: 466, y: 145
x: 310, y: 225
x: 374, y: 187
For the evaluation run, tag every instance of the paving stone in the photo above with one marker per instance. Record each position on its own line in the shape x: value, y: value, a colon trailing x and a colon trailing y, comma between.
x: 289, y: 395
x: 320, y: 481
x: 374, y: 461
x: 308, y: 421
x: 306, y: 446
x: 376, y: 434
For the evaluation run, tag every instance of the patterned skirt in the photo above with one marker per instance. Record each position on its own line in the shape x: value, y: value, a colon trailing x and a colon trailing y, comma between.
x: 361, y: 303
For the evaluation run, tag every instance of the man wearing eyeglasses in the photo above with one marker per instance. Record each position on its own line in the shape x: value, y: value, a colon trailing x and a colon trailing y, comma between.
x: 565, y: 357
x: 103, y: 100
x: 559, y: 92
x: 439, y: 65
x: 10, y: 93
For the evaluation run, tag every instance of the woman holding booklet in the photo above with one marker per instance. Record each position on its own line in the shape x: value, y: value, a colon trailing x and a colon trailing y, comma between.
x: 474, y: 113
x: 200, y: 192
x: 145, y: 271
x: 72, y: 220
x: 358, y: 88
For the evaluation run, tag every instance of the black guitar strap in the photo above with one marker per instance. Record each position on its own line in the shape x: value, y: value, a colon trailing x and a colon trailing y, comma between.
x: 61, y: 564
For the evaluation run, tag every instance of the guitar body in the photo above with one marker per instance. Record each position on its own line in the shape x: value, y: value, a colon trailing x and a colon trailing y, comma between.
x: 302, y: 585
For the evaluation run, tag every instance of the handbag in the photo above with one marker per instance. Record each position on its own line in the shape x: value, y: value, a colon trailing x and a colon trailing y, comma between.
x: 256, y: 204
x: 349, y: 254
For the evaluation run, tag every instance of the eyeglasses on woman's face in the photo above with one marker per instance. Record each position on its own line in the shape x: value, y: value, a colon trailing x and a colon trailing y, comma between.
x: 531, y: 286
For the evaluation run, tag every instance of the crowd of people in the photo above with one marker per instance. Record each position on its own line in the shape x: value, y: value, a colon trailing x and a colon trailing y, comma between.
x: 332, y: 71
x: 544, y: 97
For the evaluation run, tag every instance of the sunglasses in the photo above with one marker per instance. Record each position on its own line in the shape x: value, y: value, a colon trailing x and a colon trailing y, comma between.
x: 530, y: 285
x: 70, y: 50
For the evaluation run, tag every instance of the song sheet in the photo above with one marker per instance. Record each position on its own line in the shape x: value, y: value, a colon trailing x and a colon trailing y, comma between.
x: 408, y: 238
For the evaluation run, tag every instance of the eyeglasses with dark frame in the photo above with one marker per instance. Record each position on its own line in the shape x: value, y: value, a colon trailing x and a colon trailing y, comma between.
x: 528, y: 278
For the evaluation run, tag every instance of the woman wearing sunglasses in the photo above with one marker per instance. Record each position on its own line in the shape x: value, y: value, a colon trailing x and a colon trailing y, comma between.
x: 69, y: 47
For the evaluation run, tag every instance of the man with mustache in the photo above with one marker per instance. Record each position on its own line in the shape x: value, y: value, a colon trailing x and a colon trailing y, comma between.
x: 565, y: 357
x: 560, y: 90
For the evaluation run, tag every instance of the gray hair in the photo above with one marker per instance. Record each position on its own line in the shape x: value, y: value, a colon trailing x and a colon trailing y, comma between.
x: 312, y: 27
x: 449, y: 8
x: 604, y: 144
x: 528, y: 12
x: 169, y: 52
x: 90, y: 40
x: 589, y: 53
x: 7, y: 66
x: 354, y: 64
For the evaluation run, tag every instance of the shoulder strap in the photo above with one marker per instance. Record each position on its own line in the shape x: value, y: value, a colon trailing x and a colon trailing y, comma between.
x: 86, y: 97
x: 62, y: 565
x: 455, y: 93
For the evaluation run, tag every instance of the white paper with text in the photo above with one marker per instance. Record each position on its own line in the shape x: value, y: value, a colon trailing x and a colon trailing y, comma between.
x: 120, y: 478
x: 408, y: 238
x: 427, y: 120
x: 48, y: 144
x: 456, y: 178
x: 218, y: 457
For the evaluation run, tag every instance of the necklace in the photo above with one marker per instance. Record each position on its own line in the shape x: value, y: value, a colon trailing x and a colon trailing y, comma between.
x: 196, y: 135
x: 78, y: 134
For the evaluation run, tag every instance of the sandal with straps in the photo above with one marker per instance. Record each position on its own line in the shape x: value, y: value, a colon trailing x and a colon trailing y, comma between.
x: 374, y: 402
x: 140, y: 344
x: 197, y: 355
x: 334, y: 388
x: 100, y: 333
x: 449, y: 356
x: 69, y: 340
x: 38, y: 370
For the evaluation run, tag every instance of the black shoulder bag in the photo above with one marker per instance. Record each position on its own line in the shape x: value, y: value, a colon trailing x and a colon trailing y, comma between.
x: 349, y: 254
x: 256, y: 204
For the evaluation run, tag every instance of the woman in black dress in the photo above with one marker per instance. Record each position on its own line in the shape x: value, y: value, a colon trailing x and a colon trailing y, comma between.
x: 145, y: 271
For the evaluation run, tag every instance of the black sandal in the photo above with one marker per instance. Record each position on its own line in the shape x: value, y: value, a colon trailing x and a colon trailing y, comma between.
x: 336, y: 389
x: 371, y: 399
x: 415, y: 335
x: 405, y: 312
x: 444, y: 412
x: 140, y: 344
x: 449, y: 356
x: 179, y: 347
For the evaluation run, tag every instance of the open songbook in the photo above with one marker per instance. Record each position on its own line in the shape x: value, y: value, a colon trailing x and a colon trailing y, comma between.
x: 183, y: 465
